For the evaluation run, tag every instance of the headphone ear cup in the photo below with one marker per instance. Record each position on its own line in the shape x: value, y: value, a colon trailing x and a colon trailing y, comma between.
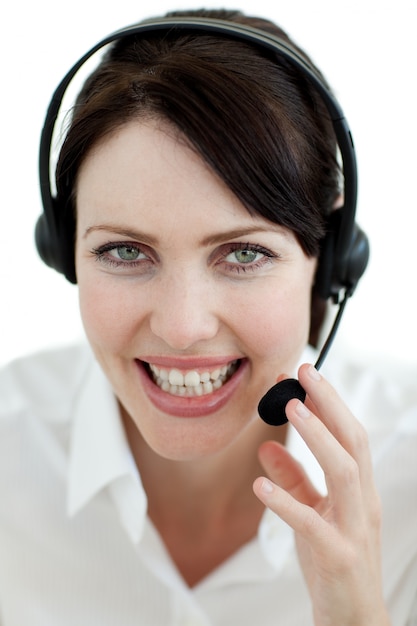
x: 55, y: 250
x: 357, y: 259
x: 334, y: 274
x: 43, y: 242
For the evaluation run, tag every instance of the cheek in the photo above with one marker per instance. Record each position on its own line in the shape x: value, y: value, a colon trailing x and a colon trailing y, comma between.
x: 106, y: 315
x: 276, y: 324
x: 281, y: 325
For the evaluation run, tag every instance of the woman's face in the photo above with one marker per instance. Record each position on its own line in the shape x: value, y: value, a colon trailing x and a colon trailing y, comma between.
x: 192, y: 306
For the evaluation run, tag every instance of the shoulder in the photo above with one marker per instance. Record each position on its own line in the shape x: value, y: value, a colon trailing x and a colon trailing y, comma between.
x: 380, y: 391
x: 43, y: 382
x: 38, y: 399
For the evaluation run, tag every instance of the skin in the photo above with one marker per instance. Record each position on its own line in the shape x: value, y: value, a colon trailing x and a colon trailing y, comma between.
x: 202, y: 284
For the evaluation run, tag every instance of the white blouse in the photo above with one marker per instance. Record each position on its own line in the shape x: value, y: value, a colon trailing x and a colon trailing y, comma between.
x: 76, y: 545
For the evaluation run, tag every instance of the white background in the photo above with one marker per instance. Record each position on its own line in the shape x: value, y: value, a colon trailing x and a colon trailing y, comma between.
x: 368, y: 51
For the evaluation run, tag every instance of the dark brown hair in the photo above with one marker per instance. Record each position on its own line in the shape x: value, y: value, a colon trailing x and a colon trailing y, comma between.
x: 253, y: 118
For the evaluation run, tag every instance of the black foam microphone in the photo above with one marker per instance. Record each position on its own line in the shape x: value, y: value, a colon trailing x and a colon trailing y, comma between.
x: 271, y: 407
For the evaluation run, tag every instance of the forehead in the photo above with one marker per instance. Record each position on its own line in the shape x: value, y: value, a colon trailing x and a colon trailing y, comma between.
x: 148, y: 166
x: 145, y: 177
x: 147, y: 157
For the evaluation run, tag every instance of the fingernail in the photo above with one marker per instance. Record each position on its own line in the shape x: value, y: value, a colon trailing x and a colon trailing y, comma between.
x: 267, y: 487
x: 313, y: 373
x: 301, y: 410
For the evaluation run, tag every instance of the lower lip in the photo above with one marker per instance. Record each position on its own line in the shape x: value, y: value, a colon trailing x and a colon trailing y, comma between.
x: 191, y: 407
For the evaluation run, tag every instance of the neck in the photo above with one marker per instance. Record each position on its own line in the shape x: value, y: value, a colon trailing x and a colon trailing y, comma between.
x: 218, y: 480
x: 204, y: 510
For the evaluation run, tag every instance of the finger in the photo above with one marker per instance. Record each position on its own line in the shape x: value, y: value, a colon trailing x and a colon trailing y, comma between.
x: 303, y: 519
x: 347, y: 430
x: 340, y: 469
x: 288, y: 473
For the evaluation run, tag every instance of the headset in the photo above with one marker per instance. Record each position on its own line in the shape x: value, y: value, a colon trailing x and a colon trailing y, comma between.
x: 345, y: 250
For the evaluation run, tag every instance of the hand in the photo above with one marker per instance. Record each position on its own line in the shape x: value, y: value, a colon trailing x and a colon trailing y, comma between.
x: 337, y: 535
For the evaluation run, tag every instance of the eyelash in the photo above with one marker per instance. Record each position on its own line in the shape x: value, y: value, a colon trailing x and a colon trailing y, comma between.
x: 102, y: 256
x: 267, y: 256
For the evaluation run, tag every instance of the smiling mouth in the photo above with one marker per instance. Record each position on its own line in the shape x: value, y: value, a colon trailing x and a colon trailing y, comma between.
x: 191, y: 383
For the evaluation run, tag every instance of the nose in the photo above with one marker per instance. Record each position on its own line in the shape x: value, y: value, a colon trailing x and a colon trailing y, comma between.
x: 183, y: 312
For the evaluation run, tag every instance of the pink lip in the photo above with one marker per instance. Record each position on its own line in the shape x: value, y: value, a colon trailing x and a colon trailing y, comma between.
x: 190, y: 407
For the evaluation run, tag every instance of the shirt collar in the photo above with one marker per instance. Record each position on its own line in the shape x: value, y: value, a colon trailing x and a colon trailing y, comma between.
x: 100, y: 457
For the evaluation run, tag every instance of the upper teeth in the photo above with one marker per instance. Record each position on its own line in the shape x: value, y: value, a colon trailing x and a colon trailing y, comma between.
x: 191, y: 383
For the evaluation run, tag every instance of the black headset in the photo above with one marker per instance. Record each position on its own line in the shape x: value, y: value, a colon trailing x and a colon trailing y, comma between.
x: 345, y: 251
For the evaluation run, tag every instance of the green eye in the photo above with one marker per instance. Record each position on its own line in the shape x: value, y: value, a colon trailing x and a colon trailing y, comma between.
x: 246, y: 256
x: 123, y: 256
x: 127, y: 253
x: 242, y: 257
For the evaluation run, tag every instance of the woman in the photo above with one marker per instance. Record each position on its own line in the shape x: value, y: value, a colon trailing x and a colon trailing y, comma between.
x: 195, y: 214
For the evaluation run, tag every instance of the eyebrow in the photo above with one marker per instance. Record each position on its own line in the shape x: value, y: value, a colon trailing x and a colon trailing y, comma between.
x: 123, y: 232
x: 215, y: 238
